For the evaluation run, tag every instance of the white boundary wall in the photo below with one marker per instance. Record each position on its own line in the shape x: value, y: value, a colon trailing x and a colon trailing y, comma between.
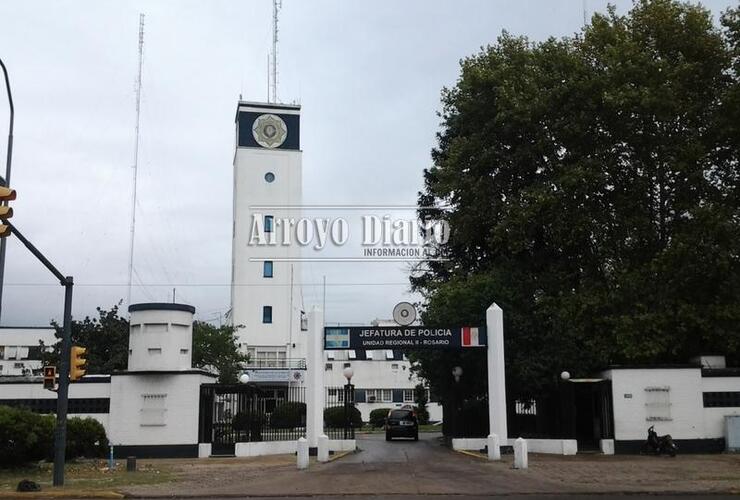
x: 548, y: 446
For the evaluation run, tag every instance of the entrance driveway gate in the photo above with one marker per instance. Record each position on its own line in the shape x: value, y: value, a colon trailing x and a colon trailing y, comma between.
x: 490, y: 337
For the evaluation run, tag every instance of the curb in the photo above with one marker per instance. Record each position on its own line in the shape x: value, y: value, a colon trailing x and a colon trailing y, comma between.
x: 473, y: 454
x: 339, y: 455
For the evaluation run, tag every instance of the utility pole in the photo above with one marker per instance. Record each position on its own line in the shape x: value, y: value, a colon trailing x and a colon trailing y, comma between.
x: 6, y: 181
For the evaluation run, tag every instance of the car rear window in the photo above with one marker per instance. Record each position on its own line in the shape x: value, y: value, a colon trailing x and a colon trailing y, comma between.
x: 400, y: 414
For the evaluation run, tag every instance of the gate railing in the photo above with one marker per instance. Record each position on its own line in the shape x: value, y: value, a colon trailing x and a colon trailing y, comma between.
x: 341, y: 415
x: 241, y: 413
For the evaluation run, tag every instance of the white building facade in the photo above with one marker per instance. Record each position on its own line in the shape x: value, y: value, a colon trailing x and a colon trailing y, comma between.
x: 20, y: 351
x: 265, y: 297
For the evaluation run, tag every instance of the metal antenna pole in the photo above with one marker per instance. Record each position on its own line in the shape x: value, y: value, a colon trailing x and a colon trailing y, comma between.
x: 585, y: 21
x: 136, y: 158
x: 276, y: 6
x: 8, y: 161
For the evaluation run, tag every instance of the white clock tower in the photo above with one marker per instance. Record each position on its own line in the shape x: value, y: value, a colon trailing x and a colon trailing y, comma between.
x: 265, y: 298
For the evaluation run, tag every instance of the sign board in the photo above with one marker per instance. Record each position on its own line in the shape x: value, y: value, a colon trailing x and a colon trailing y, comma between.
x: 275, y: 375
x: 404, y: 337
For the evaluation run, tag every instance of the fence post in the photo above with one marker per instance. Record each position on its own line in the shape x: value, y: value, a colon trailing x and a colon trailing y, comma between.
x: 520, y: 454
x: 323, y: 455
x: 302, y: 453
x: 496, y: 373
x: 315, y: 374
x: 494, y: 449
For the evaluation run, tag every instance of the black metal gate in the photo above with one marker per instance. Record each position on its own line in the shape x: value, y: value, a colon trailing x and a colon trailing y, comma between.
x: 239, y: 413
x: 341, y: 416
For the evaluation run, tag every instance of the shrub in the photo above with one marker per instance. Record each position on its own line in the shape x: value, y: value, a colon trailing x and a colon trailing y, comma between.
x: 25, y: 436
x: 334, y: 417
x: 288, y: 415
x: 246, y: 420
x: 85, y: 438
x: 377, y: 417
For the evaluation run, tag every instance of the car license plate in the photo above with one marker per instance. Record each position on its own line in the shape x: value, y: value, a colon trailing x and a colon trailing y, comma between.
x: 403, y: 422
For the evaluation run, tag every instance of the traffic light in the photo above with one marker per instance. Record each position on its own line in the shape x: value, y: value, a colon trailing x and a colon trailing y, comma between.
x: 6, y: 194
x: 77, y: 363
x: 50, y: 377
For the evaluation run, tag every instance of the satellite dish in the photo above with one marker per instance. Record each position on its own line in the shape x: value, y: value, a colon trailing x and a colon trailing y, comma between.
x: 404, y: 313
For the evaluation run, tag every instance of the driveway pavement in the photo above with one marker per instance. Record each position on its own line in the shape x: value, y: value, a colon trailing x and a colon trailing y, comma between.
x: 427, y: 468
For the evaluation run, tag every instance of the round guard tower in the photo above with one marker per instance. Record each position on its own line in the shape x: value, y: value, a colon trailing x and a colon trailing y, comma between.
x: 154, y: 404
x: 160, y: 337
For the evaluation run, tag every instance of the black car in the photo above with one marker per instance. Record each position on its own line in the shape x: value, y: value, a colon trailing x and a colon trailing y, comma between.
x: 401, y: 423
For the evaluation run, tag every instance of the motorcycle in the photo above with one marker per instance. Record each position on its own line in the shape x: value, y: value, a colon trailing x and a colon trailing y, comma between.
x: 657, y: 445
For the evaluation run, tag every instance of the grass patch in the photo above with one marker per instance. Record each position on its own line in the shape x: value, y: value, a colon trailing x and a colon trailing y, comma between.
x: 85, y: 474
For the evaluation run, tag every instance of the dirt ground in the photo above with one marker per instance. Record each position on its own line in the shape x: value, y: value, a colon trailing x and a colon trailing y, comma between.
x: 443, y: 471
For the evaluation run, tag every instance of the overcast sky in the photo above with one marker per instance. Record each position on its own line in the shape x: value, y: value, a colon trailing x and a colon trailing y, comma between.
x: 367, y: 74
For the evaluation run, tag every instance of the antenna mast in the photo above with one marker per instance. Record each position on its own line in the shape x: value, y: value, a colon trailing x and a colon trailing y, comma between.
x: 276, y: 6
x: 135, y: 166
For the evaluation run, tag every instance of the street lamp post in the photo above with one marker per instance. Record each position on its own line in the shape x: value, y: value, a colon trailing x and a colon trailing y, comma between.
x: 456, y: 374
x: 349, y: 396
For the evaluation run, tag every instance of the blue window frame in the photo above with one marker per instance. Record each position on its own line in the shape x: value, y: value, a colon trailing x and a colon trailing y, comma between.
x: 267, y: 269
x: 268, y: 223
x: 267, y: 314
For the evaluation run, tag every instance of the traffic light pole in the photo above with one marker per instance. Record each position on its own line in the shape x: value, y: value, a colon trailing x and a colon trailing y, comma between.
x: 60, y: 433
x: 6, y: 181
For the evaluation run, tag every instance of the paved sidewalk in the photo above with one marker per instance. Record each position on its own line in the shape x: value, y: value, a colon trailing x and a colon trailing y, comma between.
x: 426, y: 467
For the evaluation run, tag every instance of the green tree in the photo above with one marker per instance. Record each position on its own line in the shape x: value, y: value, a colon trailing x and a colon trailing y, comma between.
x: 591, y: 186
x: 421, y: 400
x: 104, y: 336
x: 216, y: 347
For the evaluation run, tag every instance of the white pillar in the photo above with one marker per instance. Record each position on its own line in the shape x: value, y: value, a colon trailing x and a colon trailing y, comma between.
x: 494, y: 448
x: 302, y: 453
x: 315, y: 376
x: 520, y: 454
x: 323, y: 454
x: 496, y: 373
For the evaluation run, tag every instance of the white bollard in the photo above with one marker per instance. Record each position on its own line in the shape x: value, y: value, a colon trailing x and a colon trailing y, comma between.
x: 323, y: 455
x: 494, y: 449
x: 520, y: 454
x: 302, y: 453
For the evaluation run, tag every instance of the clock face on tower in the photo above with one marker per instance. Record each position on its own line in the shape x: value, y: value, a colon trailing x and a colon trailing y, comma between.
x: 269, y: 131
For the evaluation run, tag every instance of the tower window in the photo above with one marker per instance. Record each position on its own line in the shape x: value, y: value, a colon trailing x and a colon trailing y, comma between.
x: 267, y: 314
x: 268, y: 223
x: 269, y: 177
x: 267, y: 269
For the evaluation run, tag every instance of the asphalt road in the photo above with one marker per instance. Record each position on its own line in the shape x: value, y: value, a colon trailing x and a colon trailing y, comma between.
x: 479, y: 497
x: 476, y: 497
x: 376, y: 450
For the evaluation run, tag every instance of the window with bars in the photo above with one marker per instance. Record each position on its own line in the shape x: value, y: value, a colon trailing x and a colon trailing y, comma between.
x: 153, y: 409
x: 658, y: 404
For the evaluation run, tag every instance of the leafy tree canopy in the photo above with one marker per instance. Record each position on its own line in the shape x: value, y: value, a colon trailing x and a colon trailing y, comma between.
x: 104, y: 336
x: 591, y: 184
x: 216, y: 347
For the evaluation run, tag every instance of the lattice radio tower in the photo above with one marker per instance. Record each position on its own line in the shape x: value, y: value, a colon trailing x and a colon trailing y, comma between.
x: 135, y: 166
